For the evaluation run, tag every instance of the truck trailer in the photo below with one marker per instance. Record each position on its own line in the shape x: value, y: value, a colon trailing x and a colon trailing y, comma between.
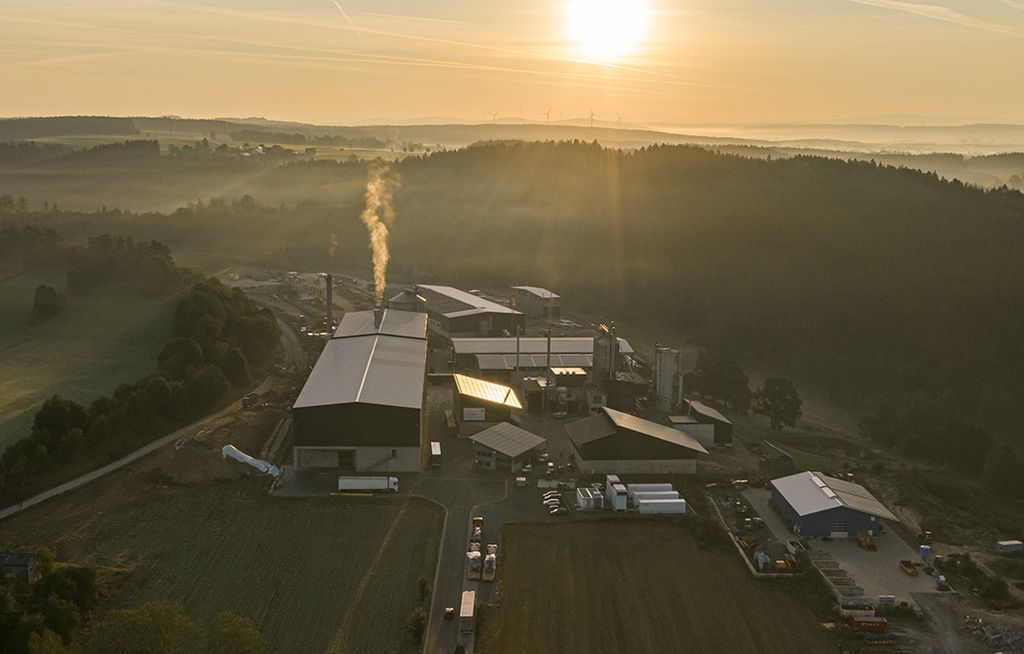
x: 467, y: 609
x: 661, y: 506
x: 368, y: 484
x: 490, y: 567
x: 632, y: 489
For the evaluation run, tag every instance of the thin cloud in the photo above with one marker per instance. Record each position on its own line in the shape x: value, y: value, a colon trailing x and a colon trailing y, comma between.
x: 936, y: 12
x: 347, y: 19
x: 1013, y: 3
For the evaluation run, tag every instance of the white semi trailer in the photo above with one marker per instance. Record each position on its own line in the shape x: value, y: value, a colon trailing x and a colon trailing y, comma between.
x: 365, y: 484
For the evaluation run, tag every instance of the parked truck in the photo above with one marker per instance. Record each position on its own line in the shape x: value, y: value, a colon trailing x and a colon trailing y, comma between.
x: 473, y: 565
x: 467, y: 609
x: 490, y: 567
x: 368, y: 484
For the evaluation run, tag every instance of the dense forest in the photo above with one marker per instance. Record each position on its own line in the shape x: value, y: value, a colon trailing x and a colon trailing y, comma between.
x: 871, y: 279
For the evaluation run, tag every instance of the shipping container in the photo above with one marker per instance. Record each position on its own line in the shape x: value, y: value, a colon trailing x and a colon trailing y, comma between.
x: 655, y: 495
x: 875, y: 625
x: 632, y: 489
x: 662, y: 506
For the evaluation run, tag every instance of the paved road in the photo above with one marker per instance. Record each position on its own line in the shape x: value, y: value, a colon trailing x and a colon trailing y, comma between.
x: 78, y: 482
x: 294, y: 355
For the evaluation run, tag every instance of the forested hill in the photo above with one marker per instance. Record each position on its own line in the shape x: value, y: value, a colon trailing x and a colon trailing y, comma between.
x: 869, y: 278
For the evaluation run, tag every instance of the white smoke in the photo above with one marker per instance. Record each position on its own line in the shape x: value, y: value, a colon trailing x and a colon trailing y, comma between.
x: 378, y: 214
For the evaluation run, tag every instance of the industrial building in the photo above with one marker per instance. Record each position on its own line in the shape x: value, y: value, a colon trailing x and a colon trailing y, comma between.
x: 361, y: 407
x: 825, y: 507
x: 705, y: 415
x: 615, y: 442
x: 505, y: 447
x: 477, y: 400
x: 457, y: 313
x: 496, y: 358
x: 537, y: 302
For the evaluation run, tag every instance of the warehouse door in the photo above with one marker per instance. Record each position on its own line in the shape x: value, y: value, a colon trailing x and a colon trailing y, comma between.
x: 839, y: 529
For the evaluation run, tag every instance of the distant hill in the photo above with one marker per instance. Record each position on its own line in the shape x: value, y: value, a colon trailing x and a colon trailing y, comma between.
x: 869, y: 278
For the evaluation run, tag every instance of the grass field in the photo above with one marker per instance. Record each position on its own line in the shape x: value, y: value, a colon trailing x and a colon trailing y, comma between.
x: 316, y: 575
x: 638, y: 586
x: 100, y: 340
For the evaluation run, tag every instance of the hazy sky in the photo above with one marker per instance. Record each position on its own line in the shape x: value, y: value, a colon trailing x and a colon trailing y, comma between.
x: 653, y: 61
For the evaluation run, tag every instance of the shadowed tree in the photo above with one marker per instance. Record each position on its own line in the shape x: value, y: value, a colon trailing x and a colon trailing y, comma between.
x: 779, y: 401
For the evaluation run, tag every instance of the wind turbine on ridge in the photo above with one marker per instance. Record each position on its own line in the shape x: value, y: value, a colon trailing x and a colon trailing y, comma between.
x: 547, y: 116
x: 494, y: 115
x: 592, y: 117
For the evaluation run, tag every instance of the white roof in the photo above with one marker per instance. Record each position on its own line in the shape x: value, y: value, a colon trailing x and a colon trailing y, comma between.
x: 531, y: 345
x: 454, y: 302
x: 379, y: 369
x: 393, y: 323
x: 813, y: 492
x: 542, y: 293
x: 507, y: 439
x: 706, y: 411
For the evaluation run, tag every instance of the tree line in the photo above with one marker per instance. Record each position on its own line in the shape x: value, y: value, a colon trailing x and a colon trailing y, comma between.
x: 259, y: 136
x: 220, y: 337
x: 63, y: 612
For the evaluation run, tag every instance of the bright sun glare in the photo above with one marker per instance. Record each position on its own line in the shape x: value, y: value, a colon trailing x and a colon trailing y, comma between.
x: 606, y: 30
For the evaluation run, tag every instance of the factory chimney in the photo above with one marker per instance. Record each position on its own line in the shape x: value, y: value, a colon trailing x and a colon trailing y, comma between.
x: 329, y: 327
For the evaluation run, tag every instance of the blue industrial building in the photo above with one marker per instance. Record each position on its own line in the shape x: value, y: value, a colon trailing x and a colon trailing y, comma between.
x: 826, y: 507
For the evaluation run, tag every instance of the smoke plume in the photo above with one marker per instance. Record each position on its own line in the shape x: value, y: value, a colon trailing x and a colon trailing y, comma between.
x: 378, y: 214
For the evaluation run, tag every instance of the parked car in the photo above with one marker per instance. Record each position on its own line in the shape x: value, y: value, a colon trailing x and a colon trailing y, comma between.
x: 562, y: 486
x: 561, y: 468
x: 449, y: 612
x: 552, y: 502
x: 527, y: 468
x: 560, y: 510
x: 597, y: 486
x: 543, y: 457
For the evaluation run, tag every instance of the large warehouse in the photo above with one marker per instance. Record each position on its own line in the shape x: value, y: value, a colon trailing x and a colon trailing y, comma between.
x: 458, y: 313
x: 613, y: 442
x: 361, y: 407
x: 826, y: 507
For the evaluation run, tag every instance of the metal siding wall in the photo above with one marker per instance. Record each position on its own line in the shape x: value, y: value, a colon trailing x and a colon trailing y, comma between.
x: 379, y: 459
x: 784, y: 507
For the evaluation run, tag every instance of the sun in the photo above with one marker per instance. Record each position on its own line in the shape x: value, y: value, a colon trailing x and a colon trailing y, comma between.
x: 606, y: 30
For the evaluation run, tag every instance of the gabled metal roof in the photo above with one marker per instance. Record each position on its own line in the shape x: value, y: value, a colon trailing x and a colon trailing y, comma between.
x: 531, y: 345
x: 380, y: 369
x: 706, y: 411
x: 603, y: 425
x: 509, y: 440
x: 453, y: 302
x: 542, y: 293
x: 813, y: 492
x: 408, y: 324
x: 486, y: 391
x: 653, y: 429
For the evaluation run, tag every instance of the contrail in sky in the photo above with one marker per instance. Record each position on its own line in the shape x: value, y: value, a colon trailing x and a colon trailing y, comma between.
x: 342, y: 10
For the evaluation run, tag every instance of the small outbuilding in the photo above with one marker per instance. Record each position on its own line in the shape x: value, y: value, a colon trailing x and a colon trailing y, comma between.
x: 23, y: 565
x: 705, y: 415
x: 537, y: 302
x: 505, y: 447
x: 825, y: 507
x: 615, y: 442
x: 1009, y: 546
